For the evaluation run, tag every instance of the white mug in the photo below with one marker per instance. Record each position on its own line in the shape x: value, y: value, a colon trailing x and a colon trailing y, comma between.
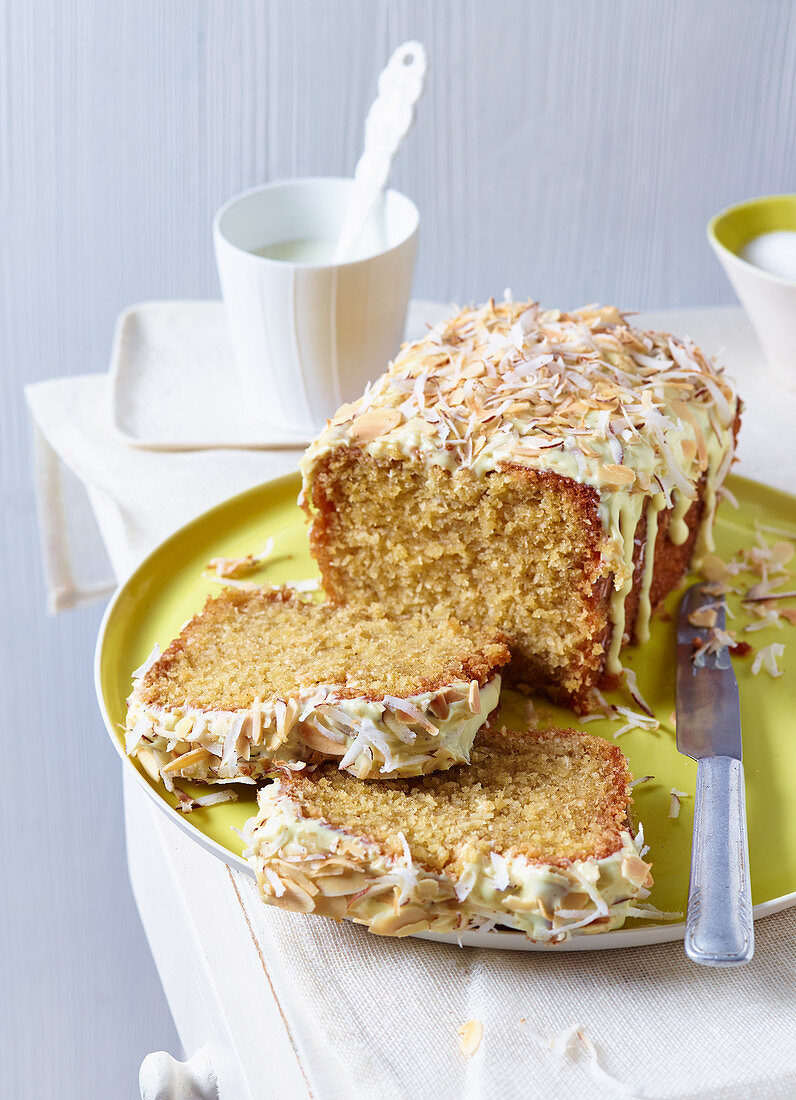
x: 307, y: 337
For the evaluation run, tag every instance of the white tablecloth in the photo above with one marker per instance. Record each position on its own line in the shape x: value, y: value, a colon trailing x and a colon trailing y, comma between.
x: 379, y: 1018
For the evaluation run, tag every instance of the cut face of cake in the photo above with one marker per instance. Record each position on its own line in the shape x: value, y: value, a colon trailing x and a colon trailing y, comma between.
x: 264, y: 675
x: 533, y: 835
x: 546, y: 473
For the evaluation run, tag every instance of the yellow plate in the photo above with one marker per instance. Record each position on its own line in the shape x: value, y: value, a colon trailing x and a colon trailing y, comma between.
x: 168, y: 588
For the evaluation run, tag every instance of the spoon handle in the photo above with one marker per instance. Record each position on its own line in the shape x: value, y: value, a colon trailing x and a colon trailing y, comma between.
x: 389, y: 120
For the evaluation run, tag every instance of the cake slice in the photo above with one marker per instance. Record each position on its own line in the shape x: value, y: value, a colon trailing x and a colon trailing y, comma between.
x: 534, y: 835
x: 264, y: 675
x: 549, y: 474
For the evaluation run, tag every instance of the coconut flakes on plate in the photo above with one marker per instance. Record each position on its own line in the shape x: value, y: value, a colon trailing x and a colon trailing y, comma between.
x: 632, y: 686
x: 767, y: 658
x: 634, y: 720
x: 674, y: 804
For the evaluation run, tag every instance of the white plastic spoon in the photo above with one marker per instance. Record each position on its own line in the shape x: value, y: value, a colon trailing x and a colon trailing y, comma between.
x: 389, y: 120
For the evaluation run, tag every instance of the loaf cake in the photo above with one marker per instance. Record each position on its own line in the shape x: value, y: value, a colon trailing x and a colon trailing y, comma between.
x: 534, y: 835
x: 263, y: 675
x: 547, y: 473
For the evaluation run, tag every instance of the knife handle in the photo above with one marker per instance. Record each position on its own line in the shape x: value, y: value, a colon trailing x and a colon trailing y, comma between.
x: 719, y: 930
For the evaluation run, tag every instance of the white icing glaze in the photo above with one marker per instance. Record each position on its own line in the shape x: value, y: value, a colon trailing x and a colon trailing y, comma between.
x: 372, y: 738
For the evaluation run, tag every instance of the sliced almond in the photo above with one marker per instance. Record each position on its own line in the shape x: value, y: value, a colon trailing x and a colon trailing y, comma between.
x: 782, y: 552
x: 616, y: 476
x: 635, y: 870
x: 439, y: 707
x: 409, y: 919
x: 335, y: 886
x: 315, y: 740
x: 689, y: 449
x: 470, y: 1036
x: 291, y: 714
x: 187, y: 760
x: 294, y: 898
x: 374, y: 423
x: 334, y: 865
x: 714, y: 569
x: 344, y: 414
x: 445, y: 922
x: 546, y: 913
x: 335, y: 908
x: 183, y: 727
x: 576, y: 899
x: 474, y: 370
x: 290, y: 872
x: 428, y: 889
x: 519, y: 904
x: 703, y: 616
x: 234, y: 568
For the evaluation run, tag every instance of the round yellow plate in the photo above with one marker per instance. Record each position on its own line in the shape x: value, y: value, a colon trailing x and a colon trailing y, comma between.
x: 168, y: 588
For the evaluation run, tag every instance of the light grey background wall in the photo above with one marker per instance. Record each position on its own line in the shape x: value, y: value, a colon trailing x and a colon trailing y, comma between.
x: 571, y: 149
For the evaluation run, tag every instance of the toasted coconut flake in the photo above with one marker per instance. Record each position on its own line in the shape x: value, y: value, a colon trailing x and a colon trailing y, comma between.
x: 674, y: 801
x: 234, y: 568
x: 501, y: 871
x: 601, y: 1075
x: 474, y: 698
x: 634, y: 721
x: 409, y: 712
x: 781, y: 531
x: 761, y: 593
x: 767, y: 658
x: 275, y: 882
x: 470, y: 1035
x: 632, y: 684
x: 188, y: 804
x: 560, y: 1044
x: 311, y: 584
x: 726, y: 494
x: 767, y: 617
x: 510, y: 382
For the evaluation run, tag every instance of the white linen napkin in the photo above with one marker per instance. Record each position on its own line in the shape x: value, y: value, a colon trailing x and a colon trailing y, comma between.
x: 378, y: 1018
x: 138, y: 496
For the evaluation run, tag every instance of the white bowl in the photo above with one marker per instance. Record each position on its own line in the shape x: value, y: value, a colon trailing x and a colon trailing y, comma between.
x: 769, y: 300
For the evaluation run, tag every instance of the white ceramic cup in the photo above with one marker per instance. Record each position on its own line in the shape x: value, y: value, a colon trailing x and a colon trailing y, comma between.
x: 769, y: 300
x: 308, y: 336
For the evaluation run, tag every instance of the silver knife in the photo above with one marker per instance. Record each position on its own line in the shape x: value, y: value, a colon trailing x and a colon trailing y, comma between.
x: 719, y: 929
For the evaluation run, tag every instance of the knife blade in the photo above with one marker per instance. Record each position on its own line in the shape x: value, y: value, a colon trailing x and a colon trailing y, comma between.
x: 719, y: 924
